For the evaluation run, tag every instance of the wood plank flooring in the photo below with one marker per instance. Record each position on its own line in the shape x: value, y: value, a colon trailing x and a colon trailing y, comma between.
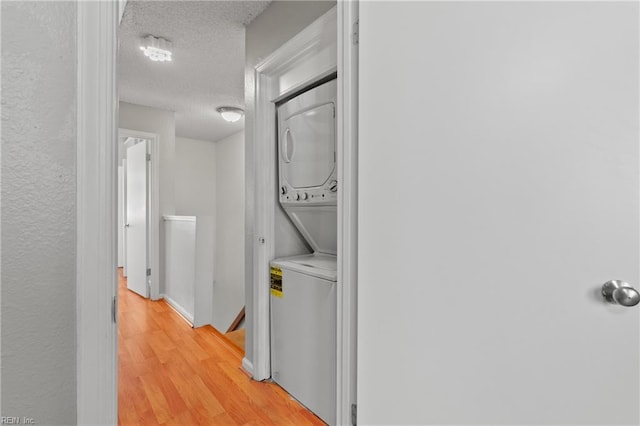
x: 172, y: 374
x: 237, y: 338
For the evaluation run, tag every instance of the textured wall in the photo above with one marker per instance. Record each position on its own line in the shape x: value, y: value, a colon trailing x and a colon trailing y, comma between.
x: 38, y: 211
x: 228, y: 290
x: 278, y: 23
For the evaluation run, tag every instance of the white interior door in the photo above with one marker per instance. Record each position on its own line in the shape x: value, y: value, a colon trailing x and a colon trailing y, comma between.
x: 136, y: 227
x: 498, y: 173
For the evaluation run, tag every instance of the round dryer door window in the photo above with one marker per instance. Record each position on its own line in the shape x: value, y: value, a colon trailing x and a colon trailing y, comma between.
x: 307, y: 147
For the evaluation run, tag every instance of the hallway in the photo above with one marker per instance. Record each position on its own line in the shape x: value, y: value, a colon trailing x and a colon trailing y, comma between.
x: 170, y: 373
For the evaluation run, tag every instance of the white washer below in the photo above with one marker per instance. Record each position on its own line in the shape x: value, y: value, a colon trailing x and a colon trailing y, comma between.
x: 303, y: 330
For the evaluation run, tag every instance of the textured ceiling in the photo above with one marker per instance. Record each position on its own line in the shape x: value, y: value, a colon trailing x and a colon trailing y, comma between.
x: 207, y: 70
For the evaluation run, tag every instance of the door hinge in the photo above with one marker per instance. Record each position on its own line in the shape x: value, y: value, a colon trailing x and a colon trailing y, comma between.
x: 148, y: 157
x: 354, y: 414
x: 355, y: 34
x: 114, y: 309
x: 148, y: 272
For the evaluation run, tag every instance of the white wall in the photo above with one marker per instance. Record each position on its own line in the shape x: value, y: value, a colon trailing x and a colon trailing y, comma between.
x: 228, y: 290
x: 209, y: 181
x: 162, y: 123
x: 38, y: 211
x: 279, y: 22
x: 195, y: 177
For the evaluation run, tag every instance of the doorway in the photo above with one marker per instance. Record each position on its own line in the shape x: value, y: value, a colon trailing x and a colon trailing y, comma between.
x: 138, y: 217
x: 96, y: 16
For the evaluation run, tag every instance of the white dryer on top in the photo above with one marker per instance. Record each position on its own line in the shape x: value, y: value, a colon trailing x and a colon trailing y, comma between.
x: 307, y: 147
x: 308, y: 181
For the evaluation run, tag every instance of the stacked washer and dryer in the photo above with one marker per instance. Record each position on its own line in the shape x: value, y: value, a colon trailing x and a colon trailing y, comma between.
x: 303, y: 288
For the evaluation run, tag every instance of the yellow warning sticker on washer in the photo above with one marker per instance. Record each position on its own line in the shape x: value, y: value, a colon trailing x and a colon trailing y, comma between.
x: 276, y: 282
x: 276, y: 271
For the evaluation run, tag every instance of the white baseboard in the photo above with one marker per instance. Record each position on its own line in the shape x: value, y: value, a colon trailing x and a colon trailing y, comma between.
x: 247, y: 366
x: 179, y: 309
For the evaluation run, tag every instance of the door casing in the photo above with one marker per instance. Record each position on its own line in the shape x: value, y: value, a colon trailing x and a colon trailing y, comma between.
x: 324, y: 47
x: 137, y: 216
x: 97, y: 123
x: 154, y: 206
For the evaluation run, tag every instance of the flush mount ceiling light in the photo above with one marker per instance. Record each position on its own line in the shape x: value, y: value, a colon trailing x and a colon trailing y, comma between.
x: 156, y: 48
x: 230, y: 114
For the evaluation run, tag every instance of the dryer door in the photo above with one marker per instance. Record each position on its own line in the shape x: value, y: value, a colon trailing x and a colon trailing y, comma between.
x: 307, y: 147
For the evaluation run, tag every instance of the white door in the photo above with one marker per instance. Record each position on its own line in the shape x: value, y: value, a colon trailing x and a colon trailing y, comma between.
x: 498, y: 191
x: 136, y: 226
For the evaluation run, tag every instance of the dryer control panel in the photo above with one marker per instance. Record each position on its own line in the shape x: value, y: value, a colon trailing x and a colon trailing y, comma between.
x: 324, y: 195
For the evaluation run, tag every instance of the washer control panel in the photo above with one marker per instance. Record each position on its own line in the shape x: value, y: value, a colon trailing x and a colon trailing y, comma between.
x: 327, y: 194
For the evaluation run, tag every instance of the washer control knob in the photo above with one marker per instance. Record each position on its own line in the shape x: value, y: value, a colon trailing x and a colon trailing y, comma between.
x: 333, y: 186
x: 283, y: 190
x: 305, y: 196
x: 297, y: 197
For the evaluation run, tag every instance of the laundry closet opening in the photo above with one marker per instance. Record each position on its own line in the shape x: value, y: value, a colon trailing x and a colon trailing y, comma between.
x: 303, y: 287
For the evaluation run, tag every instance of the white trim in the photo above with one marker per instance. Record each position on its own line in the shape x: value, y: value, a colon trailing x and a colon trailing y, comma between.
x: 179, y: 218
x: 178, y: 308
x: 247, y: 366
x: 264, y: 226
x: 303, y: 59
x: 136, y: 134
x: 304, y: 84
x: 122, y: 4
x: 154, y: 218
x: 347, y: 163
x: 154, y: 205
x: 96, y: 274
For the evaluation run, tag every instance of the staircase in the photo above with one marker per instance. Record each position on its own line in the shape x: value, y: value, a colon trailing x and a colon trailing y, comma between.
x: 234, y: 335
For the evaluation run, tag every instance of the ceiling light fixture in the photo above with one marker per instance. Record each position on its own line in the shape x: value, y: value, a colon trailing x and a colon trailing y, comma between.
x: 156, y: 48
x: 230, y: 114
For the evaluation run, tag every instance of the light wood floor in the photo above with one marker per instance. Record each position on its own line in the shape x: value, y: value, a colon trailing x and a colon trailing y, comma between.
x: 237, y: 338
x: 170, y: 373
